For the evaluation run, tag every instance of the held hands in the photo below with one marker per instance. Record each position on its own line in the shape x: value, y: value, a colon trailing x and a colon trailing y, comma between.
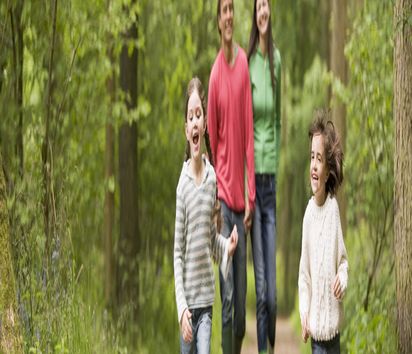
x: 337, y: 288
x: 305, y: 328
x: 186, y: 326
x: 233, y: 241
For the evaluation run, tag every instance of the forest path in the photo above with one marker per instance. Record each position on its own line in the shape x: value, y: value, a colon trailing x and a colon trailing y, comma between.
x: 286, y: 340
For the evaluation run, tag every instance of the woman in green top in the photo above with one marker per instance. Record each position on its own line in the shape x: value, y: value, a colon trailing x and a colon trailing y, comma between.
x: 264, y: 68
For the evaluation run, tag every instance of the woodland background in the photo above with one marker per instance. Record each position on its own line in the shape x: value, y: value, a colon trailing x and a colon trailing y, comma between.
x: 92, y: 143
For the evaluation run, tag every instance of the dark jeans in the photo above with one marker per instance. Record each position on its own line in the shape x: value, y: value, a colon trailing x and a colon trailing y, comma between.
x: 233, y: 290
x: 201, y: 332
x: 327, y: 346
x: 264, y: 258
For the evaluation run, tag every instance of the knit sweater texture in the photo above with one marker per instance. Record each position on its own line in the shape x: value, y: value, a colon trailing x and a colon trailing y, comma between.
x: 323, y: 256
x: 196, y: 240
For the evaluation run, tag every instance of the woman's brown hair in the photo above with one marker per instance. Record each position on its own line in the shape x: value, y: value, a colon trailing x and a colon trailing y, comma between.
x: 254, y: 41
x: 333, y: 148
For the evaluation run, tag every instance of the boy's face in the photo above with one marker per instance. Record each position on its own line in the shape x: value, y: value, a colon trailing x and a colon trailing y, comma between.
x: 195, y: 125
x: 226, y: 20
x: 319, y: 172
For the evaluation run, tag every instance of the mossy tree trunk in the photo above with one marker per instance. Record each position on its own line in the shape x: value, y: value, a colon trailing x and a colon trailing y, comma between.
x: 403, y: 170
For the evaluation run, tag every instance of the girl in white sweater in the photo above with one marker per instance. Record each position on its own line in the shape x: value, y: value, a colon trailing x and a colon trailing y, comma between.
x: 323, y: 269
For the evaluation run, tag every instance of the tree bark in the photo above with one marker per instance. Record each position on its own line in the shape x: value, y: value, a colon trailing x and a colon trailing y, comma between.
x: 17, y: 40
x: 109, y: 197
x: 47, y: 151
x: 403, y: 170
x: 339, y: 69
x: 10, y: 338
x: 127, y: 288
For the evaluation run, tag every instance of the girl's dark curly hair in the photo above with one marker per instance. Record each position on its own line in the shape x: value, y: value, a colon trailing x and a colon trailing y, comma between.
x: 333, y: 148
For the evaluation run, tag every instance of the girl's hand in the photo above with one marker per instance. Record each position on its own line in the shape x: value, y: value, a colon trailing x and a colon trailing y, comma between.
x: 233, y: 241
x: 305, y: 329
x: 337, y: 288
x: 186, y: 326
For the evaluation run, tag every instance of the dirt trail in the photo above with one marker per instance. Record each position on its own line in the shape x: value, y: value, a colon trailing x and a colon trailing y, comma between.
x: 286, y: 340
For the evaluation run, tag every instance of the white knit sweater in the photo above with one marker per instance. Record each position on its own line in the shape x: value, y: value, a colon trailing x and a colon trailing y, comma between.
x: 323, y: 256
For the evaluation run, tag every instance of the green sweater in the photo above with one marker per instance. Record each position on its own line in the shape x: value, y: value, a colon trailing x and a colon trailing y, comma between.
x: 266, y: 111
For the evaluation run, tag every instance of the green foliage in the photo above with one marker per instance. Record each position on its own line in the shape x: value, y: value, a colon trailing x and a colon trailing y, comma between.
x: 370, y: 307
x: 369, y: 167
x: 62, y: 309
x: 293, y: 194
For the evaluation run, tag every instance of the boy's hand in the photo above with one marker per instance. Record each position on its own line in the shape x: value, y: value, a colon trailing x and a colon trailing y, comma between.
x: 305, y: 329
x: 186, y: 326
x: 337, y: 288
x: 233, y: 241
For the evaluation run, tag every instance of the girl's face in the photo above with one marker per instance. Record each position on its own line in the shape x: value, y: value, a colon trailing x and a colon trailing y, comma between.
x: 319, y: 171
x: 226, y: 20
x: 262, y: 16
x: 195, y: 125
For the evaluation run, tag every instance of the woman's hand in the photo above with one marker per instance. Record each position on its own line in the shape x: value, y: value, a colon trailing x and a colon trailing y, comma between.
x: 233, y: 241
x: 337, y: 288
x: 186, y: 326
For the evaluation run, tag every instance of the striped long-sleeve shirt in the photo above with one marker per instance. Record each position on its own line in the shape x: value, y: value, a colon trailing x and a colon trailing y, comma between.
x: 196, y: 240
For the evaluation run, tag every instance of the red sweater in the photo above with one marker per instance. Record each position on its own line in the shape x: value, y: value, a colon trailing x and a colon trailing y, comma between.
x: 230, y: 125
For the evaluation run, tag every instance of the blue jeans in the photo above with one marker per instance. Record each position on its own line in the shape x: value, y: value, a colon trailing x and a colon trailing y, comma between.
x: 233, y: 290
x: 326, y: 347
x: 264, y: 258
x: 201, y: 332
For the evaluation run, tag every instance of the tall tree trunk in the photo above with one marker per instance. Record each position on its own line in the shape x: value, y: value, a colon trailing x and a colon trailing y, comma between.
x: 128, y: 243
x: 339, y: 69
x: 403, y: 170
x: 47, y: 157
x: 17, y: 40
x: 10, y: 339
x: 109, y: 197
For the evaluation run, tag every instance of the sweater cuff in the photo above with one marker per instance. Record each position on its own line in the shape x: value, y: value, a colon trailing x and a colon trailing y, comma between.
x: 181, y: 311
x: 303, y: 306
x: 343, y: 278
x: 226, y: 261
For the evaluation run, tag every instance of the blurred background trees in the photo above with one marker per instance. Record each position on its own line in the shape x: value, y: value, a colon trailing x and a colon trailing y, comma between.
x: 92, y: 139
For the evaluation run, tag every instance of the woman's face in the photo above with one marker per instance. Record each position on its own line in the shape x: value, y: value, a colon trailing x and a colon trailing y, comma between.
x: 195, y: 125
x: 262, y: 16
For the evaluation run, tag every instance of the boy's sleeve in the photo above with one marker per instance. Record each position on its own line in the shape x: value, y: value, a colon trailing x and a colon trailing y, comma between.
x: 179, y: 253
x: 304, y: 281
x: 342, y: 257
x: 220, y: 250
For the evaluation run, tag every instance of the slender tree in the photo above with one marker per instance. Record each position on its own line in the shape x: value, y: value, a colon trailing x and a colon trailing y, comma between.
x: 109, y: 196
x: 128, y: 242
x: 17, y: 42
x: 338, y: 67
x: 403, y: 170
